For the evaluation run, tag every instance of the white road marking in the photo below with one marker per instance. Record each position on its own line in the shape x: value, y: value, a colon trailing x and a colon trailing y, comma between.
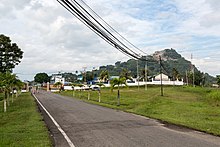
x: 56, y: 124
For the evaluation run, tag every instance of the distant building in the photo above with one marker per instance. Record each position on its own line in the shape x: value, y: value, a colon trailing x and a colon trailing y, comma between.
x: 57, y: 78
x: 165, y: 80
x: 164, y: 77
x: 215, y: 85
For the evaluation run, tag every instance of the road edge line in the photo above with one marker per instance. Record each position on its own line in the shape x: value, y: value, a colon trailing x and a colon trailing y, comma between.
x: 56, y: 124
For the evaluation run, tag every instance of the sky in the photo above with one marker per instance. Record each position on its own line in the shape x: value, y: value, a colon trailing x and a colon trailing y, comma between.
x: 55, y: 41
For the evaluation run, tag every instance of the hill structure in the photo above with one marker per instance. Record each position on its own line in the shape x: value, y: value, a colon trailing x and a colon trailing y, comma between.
x: 173, y: 65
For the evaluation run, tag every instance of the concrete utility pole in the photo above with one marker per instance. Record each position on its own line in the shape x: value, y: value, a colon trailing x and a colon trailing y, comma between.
x: 193, y: 77
x: 193, y: 71
x: 187, y: 80
x: 84, y: 70
x: 138, y: 75
x: 146, y: 74
x: 161, y: 78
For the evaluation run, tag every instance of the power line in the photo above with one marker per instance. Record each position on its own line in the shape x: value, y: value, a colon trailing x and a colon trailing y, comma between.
x: 76, y: 9
x: 111, y: 27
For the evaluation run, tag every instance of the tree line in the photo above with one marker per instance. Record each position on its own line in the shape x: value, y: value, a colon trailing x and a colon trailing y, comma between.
x: 10, y: 56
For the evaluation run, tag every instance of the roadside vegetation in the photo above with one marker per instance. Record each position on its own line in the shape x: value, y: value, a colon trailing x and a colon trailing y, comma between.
x: 197, y: 108
x: 22, y: 125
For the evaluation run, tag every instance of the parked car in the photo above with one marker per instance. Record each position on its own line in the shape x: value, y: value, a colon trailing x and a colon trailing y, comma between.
x: 96, y: 88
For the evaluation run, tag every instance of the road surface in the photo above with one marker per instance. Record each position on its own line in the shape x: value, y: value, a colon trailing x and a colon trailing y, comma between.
x: 88, y: 125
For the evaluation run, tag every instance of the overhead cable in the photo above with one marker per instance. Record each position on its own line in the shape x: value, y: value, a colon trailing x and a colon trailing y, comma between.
x: 94, y: 22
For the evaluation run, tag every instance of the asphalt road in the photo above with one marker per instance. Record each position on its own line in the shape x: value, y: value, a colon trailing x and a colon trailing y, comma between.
x: 89, y: 125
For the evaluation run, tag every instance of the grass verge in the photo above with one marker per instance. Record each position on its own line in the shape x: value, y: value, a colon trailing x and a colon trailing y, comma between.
x: 196, y: 108
x: 22, y: 125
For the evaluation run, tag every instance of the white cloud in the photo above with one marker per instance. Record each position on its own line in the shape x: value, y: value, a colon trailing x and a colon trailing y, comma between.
x: 52, y: 39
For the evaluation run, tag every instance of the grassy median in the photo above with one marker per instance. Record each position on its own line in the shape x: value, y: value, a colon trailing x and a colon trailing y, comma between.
x: 197, y: 108
x: 22, y: 125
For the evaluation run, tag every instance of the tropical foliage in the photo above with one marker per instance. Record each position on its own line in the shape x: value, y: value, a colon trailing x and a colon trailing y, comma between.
x: 100, y: 85
x: 118, y: 82
x: 218, y: 80
x: 104, y: 75
x: 58, y: 85
x: 125, y: 73
x: 9, y: 84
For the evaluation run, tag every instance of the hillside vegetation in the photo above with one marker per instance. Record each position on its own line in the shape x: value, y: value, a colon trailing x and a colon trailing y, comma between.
x: 173, y: 65
x: 171, y: 61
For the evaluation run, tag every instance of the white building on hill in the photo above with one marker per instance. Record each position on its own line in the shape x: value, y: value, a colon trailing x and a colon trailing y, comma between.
x: 57, y: 78
x: 165, y: 80
x: 164, y: 77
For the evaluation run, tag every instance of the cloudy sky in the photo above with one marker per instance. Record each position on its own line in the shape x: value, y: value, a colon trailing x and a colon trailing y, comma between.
x: 53, y: 40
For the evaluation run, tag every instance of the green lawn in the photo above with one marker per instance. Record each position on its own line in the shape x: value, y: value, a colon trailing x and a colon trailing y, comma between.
x: 197, y: 108
x: 22, y: 125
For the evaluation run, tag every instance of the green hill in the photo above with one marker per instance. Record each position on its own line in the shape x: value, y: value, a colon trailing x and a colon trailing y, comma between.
x: 174, y: 65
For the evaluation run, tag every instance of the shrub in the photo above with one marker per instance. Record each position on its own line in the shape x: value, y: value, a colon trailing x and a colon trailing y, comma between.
x: 214, y: 98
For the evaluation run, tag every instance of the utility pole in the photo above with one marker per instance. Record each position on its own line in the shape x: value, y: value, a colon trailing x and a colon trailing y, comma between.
x: 187, y: 80
x: 84, y: 70
x: 138, y: 75
x: 146, y: 74
x: 193, y: 71
x: 161, y: 78
x: 193, y: 77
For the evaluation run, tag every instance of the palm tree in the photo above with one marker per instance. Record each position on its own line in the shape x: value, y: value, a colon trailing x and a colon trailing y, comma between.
x: 175, y: 75
x: 80, y: 85
x: 125, y: 73
x: 58, y: 85
x: 104, y: 75
x: 144, y: 73
x: 3, y: 88
x: 9, y: 79
x: 7, y: 82
x: 16, y: 85
x: 73, y: 86
x: 100, y: 85
x: 117, y: 82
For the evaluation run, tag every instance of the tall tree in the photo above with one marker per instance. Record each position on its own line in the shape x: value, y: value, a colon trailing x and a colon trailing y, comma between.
x: 41, y: 78
x: 10, y: 54
x: 198, y: 78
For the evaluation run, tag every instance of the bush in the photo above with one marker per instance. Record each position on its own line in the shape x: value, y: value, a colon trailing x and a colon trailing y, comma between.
x: 214, y: 98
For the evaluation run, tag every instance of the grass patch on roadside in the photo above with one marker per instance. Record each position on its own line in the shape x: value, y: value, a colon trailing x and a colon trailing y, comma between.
x: 1, y: 96
x: 197, y: 108
x: 22, y: 125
